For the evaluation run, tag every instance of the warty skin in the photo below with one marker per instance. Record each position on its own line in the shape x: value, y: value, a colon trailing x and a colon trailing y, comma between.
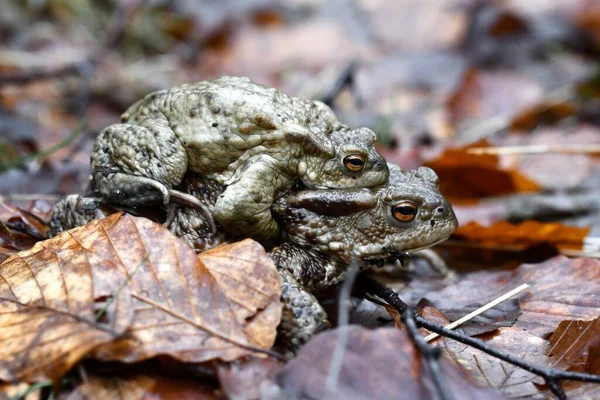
x: 323, y: 231
x: 257, y: 140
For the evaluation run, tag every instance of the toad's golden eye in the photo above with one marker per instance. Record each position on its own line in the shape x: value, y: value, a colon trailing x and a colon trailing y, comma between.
x: 405, y: 211
x: 354, y: 162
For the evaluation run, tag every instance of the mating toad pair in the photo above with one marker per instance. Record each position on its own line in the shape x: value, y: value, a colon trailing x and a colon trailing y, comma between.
x: 272, y: 167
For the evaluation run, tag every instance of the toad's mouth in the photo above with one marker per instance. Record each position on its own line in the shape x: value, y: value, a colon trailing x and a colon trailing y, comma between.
x: 391, y: 254
x: 414, y: 250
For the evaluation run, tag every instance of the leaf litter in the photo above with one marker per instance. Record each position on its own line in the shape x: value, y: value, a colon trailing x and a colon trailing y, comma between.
x: 507, y: 67
x: 124, y: 289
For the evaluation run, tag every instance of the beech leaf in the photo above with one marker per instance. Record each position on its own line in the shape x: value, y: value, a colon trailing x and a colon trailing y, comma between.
x: 124, y: 289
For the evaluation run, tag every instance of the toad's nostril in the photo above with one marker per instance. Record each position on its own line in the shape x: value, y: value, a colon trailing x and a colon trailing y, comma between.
x: 440, y: 210
x: 432, y: 222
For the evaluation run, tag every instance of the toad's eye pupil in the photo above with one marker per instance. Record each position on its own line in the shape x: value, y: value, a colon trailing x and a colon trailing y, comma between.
x: 354, y: 162
x: 405, y: 211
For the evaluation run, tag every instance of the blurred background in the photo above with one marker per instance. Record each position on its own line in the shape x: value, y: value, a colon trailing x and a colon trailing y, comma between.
x: 428, y: 76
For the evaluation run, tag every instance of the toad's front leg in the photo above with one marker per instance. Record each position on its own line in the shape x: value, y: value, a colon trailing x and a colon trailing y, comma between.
x: 244, y: 208
x: 137, y: 165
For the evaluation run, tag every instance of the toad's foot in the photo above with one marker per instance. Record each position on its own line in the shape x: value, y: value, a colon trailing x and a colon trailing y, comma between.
x: 190, y: 201
x: 129, y: 190
x: 134, y: 190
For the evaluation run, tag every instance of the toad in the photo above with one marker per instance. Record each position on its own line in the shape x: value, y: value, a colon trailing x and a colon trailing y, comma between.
x: 257, y: 141
x: 323, y: 232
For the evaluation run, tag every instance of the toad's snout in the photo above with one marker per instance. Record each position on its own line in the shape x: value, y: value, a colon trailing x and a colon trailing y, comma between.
x: 440, y: 212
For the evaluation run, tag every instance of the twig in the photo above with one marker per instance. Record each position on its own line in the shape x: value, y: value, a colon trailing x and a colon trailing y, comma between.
x: 337, y: 358
x: 550, y: 375
x: 344, y: 79
x: 480, y: 310
x: 537, y: 149
x: 430, y: 354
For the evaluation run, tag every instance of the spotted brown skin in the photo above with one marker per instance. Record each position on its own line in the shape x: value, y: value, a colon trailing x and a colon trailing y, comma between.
x: 257, y: 141
x: 324, y: 230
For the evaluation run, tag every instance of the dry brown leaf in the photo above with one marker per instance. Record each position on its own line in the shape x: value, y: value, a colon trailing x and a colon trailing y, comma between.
x: 125, y: 289
x: 376, y: 364
x: 488, y: 370
x: 465, y: 100
x: 586, y: 16
x: 561, y: 288
x: 465, y: 176
x: 523, y: 235
x: 19, y: 229
x: 544, y: 113
x: 12, y: 242
x: 253, y: 289
x: 573, y: 340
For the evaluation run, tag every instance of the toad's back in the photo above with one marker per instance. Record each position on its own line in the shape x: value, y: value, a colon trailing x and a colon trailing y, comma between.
x: 224, y: 122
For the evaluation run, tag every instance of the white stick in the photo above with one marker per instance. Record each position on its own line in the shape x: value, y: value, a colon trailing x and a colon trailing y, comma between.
x: 480, y: 310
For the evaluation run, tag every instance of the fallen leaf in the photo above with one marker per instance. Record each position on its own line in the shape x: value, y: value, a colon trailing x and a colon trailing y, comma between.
x: 573, y: 340
x: 380, y: 363
x: 465, y: 100
x: 125, y: 289
x: 542, y: 114
x: 20, y: 228
x: 487, y: 370
x: 249, y: 286
x: 523, y: 235
x: 465, y: 177
x: 586, y: 16
x: 561, y: 288
x: 12, y: 242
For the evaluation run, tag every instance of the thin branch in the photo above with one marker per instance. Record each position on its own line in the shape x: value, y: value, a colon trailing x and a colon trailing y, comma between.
x: 430, y: 354
x: 551, y: 376
x: 343, y: 80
